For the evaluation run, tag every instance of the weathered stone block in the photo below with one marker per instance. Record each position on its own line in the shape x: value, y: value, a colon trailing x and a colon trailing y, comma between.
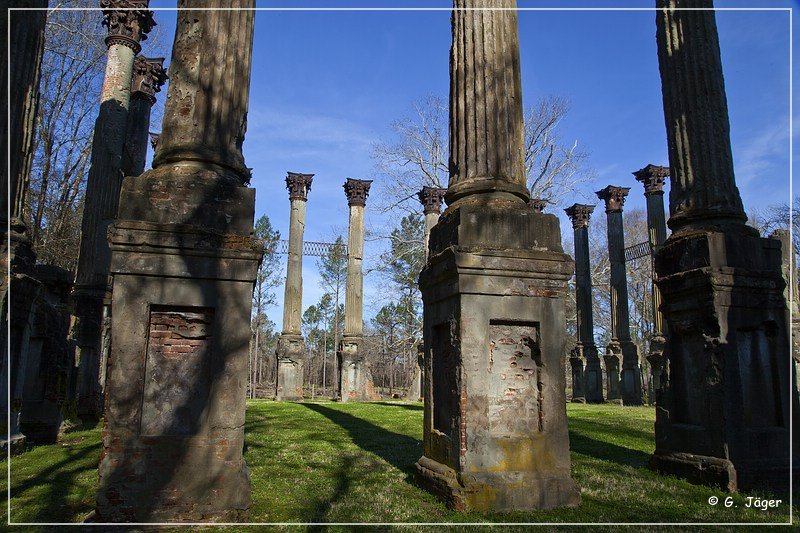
x: 495, y: 433
x: 723, y: 414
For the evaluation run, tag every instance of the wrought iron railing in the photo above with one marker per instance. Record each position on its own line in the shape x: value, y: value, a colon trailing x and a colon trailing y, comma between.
x: 311, y: 248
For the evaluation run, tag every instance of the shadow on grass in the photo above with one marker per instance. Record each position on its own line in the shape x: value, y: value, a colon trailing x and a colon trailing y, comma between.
x: 342, y: 486
x: 581, y: 442
x: 59, y: 480
x: 401, y: 451
x: 409, y: 406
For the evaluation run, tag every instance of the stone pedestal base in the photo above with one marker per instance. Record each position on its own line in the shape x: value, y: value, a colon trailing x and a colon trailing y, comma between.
x: 289, y: 352
x: 184, y: 263
x: 657, y: 362
x: 631, y: 378
x: 578, y: 378
x: 495, y: 427
x: 15, y: 442
x: 698, y: 469
x: 356, y: 379
x: 496, y: 492
x: 88, y: 309
x: 593, y: 375
x: 723, y: 415
x: 415, y: 388
x: 611, y: 361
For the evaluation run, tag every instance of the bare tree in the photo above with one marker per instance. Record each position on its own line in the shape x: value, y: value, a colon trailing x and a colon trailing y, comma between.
x: 418, y: 154
x: 72, y: 71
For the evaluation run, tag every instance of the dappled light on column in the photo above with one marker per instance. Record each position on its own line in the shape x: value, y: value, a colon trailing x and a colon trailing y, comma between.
x: 184, y: 262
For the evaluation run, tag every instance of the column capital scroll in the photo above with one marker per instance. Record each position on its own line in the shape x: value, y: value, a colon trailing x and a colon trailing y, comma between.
x: 148, y: 77
x: 537, y: 204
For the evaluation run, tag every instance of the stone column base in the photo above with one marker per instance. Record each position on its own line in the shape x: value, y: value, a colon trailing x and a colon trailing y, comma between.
x: 612, y: 377
x: 15, y: 442
x: 576, y: 363
x: 631, y: 378
x: 415, y: 389
x: 496, y: 492
x: 290, y: 367
x: 356, y: 379
x: 697, y: 469
x: 593, y: 376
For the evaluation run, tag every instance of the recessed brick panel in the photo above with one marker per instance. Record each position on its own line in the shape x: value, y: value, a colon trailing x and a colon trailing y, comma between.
x: 177, y: 377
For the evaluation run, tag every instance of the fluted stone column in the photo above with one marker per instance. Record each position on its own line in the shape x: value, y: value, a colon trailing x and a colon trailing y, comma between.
x: 585, y: 348
x: 126, y: 28
x: 631, y: 380
x: 291, y: 347
x: 354, y: 374
x: 724, y: 413
x: 25, y: 31
x: 495, y: 431
x: 148, y: 77
x: 184, y: 262
x: 652, y: 177
x: 431, y: 199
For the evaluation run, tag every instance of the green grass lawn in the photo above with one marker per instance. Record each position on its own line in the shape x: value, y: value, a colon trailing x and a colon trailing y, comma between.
x: 332, y: 462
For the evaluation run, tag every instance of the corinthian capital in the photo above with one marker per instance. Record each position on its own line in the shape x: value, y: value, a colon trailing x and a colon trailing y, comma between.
x: 148, y: 77
x: 357, y: 191
x: 579, y: 214
x: 128, y: 22
x: 537, y: 205
x: 652, y: 177
x: 431, y: 199
x: 298, y: 185
x: 614, y: 197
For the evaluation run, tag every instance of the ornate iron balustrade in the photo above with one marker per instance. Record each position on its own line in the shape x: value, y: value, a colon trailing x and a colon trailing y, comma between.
x: 638, y: 251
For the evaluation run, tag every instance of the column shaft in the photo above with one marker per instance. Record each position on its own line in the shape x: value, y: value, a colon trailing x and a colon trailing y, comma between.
x: 631, y: 382
x: 148, y: 76
x: 104, y: 180
x: 620, y: 320
x: 293, y: 294
x: 487, y: 153
x: 354, y: 298
x: 290, y: 351
x: 703, y: 191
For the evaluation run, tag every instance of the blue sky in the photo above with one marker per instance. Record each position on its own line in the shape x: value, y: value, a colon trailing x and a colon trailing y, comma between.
x: 327, y: 85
